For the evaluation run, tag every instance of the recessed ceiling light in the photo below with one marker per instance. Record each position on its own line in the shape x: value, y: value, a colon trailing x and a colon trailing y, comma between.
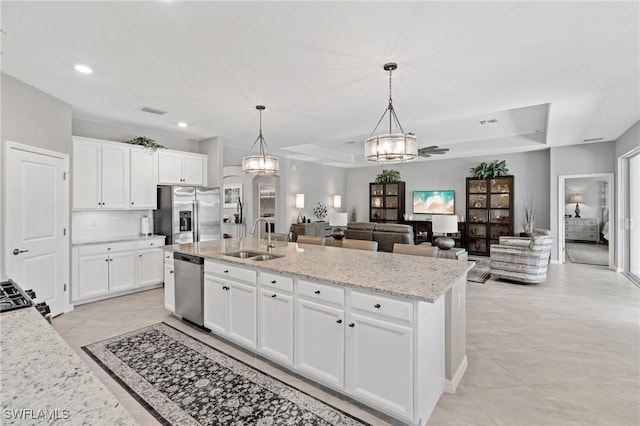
x: 83, y: 69
x: 182, y: 124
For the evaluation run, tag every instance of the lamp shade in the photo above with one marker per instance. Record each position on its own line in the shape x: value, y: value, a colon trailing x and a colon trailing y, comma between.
x: 337, y: 201
x: 299, y: 201
x: 391, y: 148
x: 576, y: 198
x: 445, y: 224
x: 338, y: 219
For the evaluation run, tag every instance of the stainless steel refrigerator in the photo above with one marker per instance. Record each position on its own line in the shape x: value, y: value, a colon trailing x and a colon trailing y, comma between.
x: 187, y: 214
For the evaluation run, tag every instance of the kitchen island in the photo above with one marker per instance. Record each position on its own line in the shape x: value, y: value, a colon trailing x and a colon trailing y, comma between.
x: 45, y: 382
x: 385, y: 329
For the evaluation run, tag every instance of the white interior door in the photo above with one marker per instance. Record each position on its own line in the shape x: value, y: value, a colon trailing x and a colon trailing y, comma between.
x: 36, y: 214
x: 634, y: 216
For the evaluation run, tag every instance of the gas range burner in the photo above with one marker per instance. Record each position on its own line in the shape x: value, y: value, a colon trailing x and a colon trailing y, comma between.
x: 12, y: 297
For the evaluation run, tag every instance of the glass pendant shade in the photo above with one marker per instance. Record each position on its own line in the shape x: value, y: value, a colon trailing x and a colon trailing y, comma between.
x: 391, y: 147
x: 260, y: 163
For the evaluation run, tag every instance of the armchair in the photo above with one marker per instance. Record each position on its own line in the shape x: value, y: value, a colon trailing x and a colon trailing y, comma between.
x: 522, y: 259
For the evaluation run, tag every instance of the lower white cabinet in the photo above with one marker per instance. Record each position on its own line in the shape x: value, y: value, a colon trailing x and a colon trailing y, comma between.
x: 371, y: 344
x: 230, y: 309
x: 92, y: 276
x: 122, y: 271
x: 275, y: 325
x: 169, y: 288
x: 150, y: 267
x: 319, y: 342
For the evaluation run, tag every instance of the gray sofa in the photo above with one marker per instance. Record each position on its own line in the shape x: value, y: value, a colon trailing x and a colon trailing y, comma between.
x: 386, y: 234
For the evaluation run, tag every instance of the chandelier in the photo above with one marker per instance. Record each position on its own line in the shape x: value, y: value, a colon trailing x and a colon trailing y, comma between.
x: 260, y: 163
x: 390, y: 147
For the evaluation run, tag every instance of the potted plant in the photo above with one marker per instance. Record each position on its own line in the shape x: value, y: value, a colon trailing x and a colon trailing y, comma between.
x: 388, y: 176
x: 494, y: 169
x: 528, y: 217
x: 145, y: 142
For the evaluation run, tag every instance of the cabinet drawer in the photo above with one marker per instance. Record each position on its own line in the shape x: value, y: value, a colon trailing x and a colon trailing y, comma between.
x: 276, y: 281
x: 145, y: 244
x: 321, y: 292
x: 230, y: 271
x: 383, y: 306
x: 168, y: 257
x: 106, y: 248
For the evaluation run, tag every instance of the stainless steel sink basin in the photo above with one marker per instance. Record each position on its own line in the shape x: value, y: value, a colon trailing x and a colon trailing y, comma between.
x: 253, y: 255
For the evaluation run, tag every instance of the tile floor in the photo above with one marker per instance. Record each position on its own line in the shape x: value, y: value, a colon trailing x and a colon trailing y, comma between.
x: 565, y: 352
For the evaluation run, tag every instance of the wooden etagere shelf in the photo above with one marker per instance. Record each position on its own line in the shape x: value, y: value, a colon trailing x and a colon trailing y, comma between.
x: 386, y: 202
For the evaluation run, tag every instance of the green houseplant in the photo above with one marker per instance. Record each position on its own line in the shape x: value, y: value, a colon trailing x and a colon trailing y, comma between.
x: 145, y: 142
x: 494, y: 169
x: 388, y: 176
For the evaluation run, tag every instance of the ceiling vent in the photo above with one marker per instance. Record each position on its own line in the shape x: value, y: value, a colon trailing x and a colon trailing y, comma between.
x: 154, y: 111
x: 592, y: 140
x: 492, y: 121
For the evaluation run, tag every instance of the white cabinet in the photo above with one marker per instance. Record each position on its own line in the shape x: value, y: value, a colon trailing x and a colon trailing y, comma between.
x: 144, y: 178
x: 319, y: 341
x: 371, y: 344
x: 102, y: 269
x: 230, y: 300
x: 275, y: 325
x: 181, y: 168
x: 100, y: 175
x: 169, y: 288
x: 150, y: 261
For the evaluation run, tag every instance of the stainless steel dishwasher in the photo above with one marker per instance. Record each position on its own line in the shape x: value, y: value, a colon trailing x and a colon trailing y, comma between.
x: 189, y: 287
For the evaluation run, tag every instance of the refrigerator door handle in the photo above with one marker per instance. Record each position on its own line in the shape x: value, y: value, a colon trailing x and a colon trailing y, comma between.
x: 196, y: 221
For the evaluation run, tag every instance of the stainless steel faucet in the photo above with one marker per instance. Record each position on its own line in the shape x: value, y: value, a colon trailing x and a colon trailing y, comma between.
x: 270, y: 245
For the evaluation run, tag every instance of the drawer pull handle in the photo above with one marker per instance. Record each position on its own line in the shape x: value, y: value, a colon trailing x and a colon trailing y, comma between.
x: 273, y: 281
x: 224, y: 287
x: 167, y: 257
x: 377, y: 306
x: 317, y: 292
x: 171, y: 272
x: 139, y: 255
x: 352, y: 325
x: 226, y: 271
x: 273, y: 295
x: 339, y: 321
x: 106, y: 260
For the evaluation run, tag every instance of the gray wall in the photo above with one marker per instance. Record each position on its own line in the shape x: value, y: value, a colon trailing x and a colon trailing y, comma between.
x: 575, y: 160
x: 122, y: 133
x: 30, y: 117
x: 629, y: 140
x: 531, y: 171
x: 212, y: 147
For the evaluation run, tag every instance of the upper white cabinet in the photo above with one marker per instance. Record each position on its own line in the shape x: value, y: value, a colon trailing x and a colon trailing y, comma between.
x: 100, y: 175
x: 182, y: 168
x: 144, y: 178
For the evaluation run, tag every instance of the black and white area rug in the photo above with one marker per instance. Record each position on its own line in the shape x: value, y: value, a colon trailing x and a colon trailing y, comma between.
x: 481, y: 272
x: 183, y: 381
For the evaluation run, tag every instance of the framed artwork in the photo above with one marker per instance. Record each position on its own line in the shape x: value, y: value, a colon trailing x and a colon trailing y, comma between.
x: 232, y: 193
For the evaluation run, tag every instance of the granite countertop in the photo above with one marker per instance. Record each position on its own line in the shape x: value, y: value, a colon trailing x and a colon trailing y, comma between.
x: 412, y: 277
x: 120, y: 239
x: 43, y: 379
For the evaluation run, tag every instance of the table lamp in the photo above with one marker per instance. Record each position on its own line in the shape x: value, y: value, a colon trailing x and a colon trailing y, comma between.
x: 299, y: 206
x: 337, y: 202
x: 576, y: 198
x: 444, y: 224
x: 338, y: 220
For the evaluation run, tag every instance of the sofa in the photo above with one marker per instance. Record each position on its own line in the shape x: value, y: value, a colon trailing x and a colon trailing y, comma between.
x: 522, y: 259
x: 385, y: 234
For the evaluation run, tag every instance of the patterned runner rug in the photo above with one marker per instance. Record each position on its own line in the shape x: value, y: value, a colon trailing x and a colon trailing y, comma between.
x: 183, y: 381
x: 482, y: 271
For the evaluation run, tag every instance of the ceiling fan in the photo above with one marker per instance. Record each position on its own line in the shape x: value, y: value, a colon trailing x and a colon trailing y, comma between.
x: 431, y: 150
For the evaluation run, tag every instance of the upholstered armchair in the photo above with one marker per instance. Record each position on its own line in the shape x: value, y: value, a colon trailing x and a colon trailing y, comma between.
x: 522, y: 259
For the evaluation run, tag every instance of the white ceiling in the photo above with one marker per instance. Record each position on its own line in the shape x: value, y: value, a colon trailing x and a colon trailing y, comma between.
x: 552, y: 73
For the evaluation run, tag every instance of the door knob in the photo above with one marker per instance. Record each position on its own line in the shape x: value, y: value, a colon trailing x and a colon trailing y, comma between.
x: 17, y: 252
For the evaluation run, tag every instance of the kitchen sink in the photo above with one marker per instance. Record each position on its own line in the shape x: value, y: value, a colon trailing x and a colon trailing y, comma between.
x: 253, y: 255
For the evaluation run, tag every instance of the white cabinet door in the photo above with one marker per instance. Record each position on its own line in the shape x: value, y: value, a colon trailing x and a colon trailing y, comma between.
x: 86, y: 175
x: 169, y: 288
x: 371, y: 344
x: 144, y: 178
x: 150, y: 267
x: 275, y: 326
x: 122, y: 270
x: 115, y: 176
x: 242, y: 313
x: 319, y: 346
x: 169, y: 168
x: 192, y: 170
x: 216, y: 305
x: 93, y: 275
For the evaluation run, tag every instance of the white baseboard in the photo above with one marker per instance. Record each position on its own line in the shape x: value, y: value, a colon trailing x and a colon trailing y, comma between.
x: 451, y: 385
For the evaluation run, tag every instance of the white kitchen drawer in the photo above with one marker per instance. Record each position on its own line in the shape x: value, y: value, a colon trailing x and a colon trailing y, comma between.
x: 151, y: 243
x: 168, y: 257
x: 230, y: 271
x: 276, y: 281
x: 106, y: 248
x: 382, y: 306
x: 321, y: 292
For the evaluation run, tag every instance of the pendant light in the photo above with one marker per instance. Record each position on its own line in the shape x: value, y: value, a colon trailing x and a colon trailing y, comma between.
x: 260, y: 163
x: 390, y: 147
